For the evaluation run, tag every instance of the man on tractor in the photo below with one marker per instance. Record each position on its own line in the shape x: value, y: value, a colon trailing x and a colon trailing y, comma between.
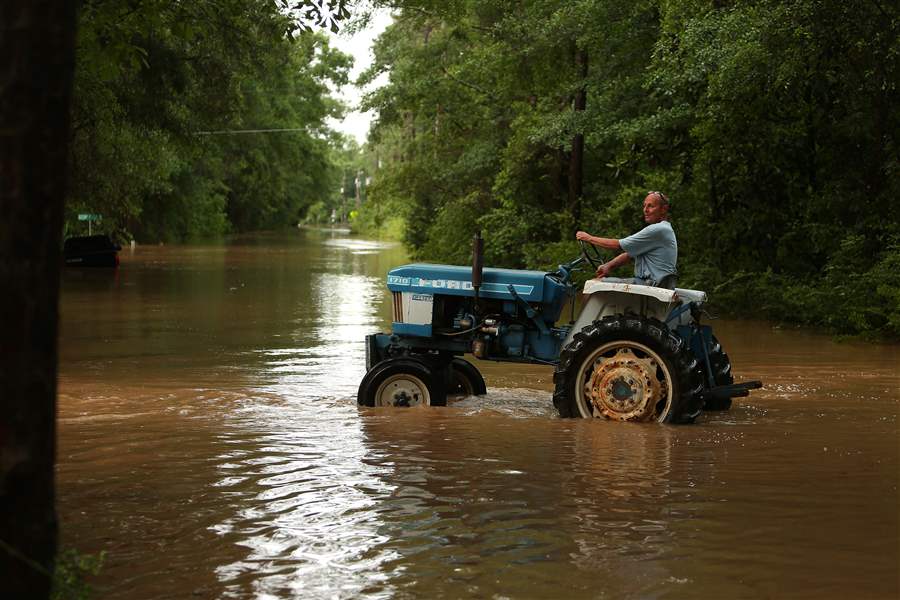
x: 635, y: 352
x: 654, y: 248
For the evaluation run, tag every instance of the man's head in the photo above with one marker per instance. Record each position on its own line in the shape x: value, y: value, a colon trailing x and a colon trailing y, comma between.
x: 656, y: 207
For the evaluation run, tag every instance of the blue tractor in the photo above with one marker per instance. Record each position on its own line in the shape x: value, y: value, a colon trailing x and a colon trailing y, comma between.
x: 635, y: 352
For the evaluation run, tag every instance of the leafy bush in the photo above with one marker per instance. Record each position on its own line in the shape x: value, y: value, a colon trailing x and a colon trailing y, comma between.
x: 71, y: 573
x: 843, y: 300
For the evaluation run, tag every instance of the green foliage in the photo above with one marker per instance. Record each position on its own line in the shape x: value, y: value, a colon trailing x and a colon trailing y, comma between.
x: 456, y: 220
x: 318, y: 214
x: 71, y: 573
x: 165, y: 94
x: 349, y: 185
x: 771, y: 124
x: 845, y: 302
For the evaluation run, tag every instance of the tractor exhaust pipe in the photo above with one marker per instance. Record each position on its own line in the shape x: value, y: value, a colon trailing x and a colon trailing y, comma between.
x: 477, y: 263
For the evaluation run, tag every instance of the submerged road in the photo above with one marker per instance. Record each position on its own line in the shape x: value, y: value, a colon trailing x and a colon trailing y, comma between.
x: 210, y: 443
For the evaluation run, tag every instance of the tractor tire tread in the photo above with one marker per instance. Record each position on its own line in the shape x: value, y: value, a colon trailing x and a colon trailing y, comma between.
x: 721, y: 368
x: 686, y: 370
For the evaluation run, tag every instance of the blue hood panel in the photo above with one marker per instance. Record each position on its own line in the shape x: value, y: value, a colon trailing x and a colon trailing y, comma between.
x: 457, y: 281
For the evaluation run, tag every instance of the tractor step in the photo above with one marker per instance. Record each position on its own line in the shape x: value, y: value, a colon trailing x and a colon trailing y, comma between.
x: 734, y: 390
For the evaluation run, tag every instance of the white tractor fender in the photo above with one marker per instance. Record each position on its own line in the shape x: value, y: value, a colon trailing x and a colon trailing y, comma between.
x: 592, y: 286
x: 617, y: 298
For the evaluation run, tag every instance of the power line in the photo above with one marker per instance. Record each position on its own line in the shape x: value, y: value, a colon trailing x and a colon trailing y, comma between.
x: 239, y: 131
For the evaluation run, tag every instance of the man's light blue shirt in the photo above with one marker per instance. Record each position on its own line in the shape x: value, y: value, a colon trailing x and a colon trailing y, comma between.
x: 654, y: 251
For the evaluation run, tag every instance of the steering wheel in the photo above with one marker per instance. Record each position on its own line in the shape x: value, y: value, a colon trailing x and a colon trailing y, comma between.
x: 591, y: 254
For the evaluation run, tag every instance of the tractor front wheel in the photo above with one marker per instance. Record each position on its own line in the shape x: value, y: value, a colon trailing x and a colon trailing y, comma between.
x: 628, y: 368
x: 403, y: 382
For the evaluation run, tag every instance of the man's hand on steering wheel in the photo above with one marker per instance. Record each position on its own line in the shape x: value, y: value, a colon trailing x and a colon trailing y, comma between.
x: 590, y: 252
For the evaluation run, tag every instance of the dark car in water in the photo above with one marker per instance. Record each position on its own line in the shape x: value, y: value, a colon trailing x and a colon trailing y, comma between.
x: 91, y: 251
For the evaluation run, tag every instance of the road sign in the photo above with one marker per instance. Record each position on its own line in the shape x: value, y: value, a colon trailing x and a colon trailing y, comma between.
x: 90, y: 218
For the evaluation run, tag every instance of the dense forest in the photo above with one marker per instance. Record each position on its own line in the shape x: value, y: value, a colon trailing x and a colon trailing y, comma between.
x: 772, y: 125
x: 194, y: 119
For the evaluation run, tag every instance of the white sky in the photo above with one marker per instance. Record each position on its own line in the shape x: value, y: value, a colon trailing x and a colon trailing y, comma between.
x: 359, y: 46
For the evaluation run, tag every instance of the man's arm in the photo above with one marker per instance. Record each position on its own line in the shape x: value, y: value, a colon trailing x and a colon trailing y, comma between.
x: 607, y: 267
x: 608, y: 243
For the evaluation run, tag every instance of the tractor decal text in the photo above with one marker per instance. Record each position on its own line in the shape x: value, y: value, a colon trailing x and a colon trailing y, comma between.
x: 455, y: 284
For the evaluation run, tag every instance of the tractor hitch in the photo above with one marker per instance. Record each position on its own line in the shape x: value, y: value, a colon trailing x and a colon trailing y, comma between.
x: 734, y: 390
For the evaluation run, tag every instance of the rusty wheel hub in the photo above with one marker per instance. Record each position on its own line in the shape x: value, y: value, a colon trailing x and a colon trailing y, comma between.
x: 624, y: 386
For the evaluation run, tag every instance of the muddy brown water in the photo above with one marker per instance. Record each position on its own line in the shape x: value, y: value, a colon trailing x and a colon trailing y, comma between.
x: 210, y: 444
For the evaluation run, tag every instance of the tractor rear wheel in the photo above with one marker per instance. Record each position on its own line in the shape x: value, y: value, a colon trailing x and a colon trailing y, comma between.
x: 628, y: 368
x: 721, y: 369
x: 401, y: 382
x: 465, y: 379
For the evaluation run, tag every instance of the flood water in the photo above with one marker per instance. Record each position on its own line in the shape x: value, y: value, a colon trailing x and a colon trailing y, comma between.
x: 210, y: 443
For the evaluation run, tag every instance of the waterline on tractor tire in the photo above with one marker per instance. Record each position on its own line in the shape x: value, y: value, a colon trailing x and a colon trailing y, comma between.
x: 403, y: 382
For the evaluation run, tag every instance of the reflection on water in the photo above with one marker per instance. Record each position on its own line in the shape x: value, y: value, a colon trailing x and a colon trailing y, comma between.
x: 305, y: 509
x: 210, y: 442
x: 329, y: 359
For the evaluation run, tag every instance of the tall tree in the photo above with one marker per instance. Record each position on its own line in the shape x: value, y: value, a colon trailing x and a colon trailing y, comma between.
x: 36, y: 66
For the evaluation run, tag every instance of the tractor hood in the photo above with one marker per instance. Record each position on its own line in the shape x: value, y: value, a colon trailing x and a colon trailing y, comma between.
x: 423, y: 278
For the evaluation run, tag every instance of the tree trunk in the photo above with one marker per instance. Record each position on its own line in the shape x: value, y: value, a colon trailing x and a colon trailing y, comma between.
x: 560, y: 177
x: 36, y: 70
x: 576, y: 162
